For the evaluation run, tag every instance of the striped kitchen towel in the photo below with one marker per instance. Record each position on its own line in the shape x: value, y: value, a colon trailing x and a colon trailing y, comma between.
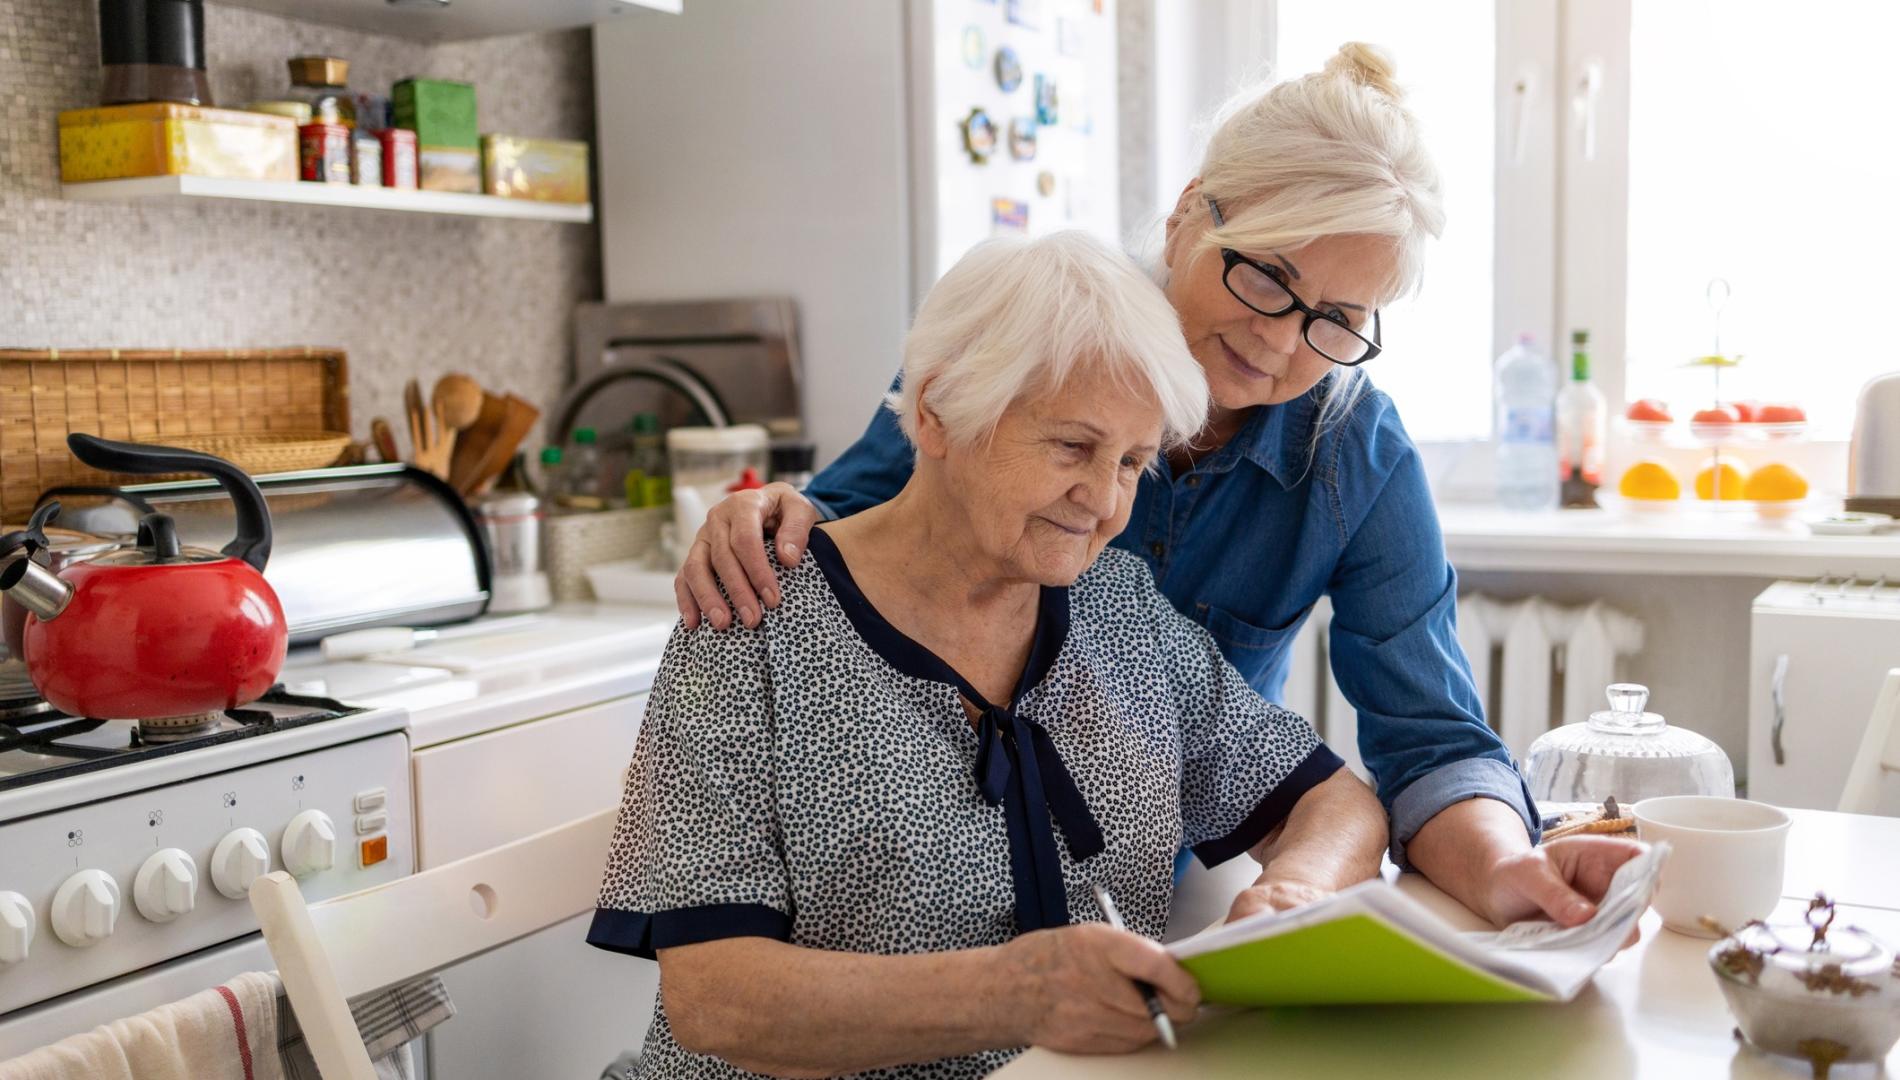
x: 388, y: 1021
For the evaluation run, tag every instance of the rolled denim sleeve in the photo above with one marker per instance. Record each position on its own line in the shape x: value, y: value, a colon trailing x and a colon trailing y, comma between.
x: 872, y: 471
x: 1396, y: 657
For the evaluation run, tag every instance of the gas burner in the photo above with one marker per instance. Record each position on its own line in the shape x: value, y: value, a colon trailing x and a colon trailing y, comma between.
x: 173, y: 728
x: 53, y: 746
x: 19, y: 698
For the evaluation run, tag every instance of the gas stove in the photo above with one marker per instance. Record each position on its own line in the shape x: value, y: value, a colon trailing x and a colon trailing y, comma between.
x: 127, y: 849
x: 48, y: 745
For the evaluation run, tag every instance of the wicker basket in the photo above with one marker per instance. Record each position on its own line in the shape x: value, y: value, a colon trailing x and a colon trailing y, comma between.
x: 268, y: 452
x: 578, y: 541
x: 153, y: 396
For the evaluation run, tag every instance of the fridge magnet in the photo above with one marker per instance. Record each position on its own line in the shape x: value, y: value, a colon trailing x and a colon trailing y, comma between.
x: 1046, y: 111
x: 1046, y: 183
x: 1077, y: 116
x: 1009, y: 70
x: 975, y: 48
x: 1008, y: 216
x: 1024, y: 13
x: 1022, y: 138
x: 1069, y: 40
x: 979, y: 135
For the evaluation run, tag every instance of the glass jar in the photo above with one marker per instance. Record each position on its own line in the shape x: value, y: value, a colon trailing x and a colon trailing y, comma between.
x: 323, y: 81
x: 1816, y: 991
x: 709, y: 459
x: 1627, y: 754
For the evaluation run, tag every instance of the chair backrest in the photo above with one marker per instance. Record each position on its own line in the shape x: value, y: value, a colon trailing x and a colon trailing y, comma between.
x: 355, y: 944
x: 1879, y: 751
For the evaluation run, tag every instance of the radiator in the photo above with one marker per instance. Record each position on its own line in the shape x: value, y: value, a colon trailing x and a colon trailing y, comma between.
x: 1536, y: 663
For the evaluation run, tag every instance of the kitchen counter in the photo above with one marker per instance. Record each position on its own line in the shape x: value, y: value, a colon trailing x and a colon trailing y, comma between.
x: 573, y: 655
x: 1485, y: 537
x: 1653, y: 1011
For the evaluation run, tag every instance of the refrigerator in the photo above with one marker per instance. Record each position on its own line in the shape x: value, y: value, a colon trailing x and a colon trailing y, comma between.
x: 844, y: 153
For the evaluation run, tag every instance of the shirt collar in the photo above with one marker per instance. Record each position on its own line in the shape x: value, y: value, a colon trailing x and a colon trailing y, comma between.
x: 1277, y: 438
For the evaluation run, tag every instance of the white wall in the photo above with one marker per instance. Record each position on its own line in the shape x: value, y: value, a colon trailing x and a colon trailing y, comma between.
x: 805, y: 166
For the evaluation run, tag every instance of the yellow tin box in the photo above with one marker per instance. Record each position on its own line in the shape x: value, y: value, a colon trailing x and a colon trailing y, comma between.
x: 163, y: 139
x: 550, y: 170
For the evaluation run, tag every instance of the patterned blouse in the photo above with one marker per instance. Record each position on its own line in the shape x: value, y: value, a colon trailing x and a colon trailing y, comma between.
x: 817, y: 781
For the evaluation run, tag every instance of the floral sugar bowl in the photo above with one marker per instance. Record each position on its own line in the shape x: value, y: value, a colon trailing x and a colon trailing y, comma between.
x: 1820, y: 992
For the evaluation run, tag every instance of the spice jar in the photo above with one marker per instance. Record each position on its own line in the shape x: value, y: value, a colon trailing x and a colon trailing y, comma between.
x: 1826, y: 993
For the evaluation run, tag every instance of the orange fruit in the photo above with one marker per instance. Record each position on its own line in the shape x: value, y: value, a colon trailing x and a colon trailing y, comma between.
x: 1776, y: 483
x: 1726, y: 479
x: 1649, y: 480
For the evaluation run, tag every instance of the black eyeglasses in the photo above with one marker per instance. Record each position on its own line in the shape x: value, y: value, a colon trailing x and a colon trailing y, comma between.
x: 1263, y: 288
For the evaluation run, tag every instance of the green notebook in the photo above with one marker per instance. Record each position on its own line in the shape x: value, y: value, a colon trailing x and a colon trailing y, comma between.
x: 1373, y: 945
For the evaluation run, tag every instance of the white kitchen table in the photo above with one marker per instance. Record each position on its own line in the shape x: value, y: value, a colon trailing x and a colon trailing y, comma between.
x: 1654, y: 1011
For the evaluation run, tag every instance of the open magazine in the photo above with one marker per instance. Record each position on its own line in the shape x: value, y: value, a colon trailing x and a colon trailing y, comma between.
x: 1372, y: 944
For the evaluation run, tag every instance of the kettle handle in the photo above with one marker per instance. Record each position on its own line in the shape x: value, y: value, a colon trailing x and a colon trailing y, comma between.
x: 252, y: 543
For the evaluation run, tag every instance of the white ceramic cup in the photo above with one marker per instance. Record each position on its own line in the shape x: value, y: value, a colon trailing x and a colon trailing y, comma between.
x: 1726, y: 859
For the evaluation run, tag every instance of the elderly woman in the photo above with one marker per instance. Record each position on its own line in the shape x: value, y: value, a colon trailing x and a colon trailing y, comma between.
x: 1310, y: 211
x: 864, y: 834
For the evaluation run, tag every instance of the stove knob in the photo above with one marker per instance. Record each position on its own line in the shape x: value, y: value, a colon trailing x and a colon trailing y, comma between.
x: 239, y: 859
x: 166, y: 886
x: 309, y: 843
x: 85, y: 908
x: 17, y: 922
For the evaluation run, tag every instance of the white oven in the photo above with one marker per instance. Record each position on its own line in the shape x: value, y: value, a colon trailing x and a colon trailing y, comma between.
x: 126, y: 878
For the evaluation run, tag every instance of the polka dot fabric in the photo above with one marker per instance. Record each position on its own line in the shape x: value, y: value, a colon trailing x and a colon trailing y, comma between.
x: 790, y: 782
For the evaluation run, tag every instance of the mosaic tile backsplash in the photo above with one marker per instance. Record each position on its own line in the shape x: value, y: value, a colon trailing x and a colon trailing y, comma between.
x: 407, y: 295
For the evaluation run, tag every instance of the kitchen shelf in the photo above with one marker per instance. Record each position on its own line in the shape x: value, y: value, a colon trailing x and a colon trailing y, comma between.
x: 1485, y: 538
x: 181, y: 188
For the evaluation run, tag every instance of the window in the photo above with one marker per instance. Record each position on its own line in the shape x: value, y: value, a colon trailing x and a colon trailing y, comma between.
x: 1756, y: 155
x: 1439, y: 342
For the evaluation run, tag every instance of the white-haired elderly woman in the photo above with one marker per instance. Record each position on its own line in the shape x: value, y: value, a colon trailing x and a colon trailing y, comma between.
x: 1310, y: 211
x: 863, y: 835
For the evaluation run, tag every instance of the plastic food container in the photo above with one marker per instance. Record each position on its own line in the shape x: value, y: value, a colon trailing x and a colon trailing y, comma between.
x: 162, y: 139
x: 705, y: 461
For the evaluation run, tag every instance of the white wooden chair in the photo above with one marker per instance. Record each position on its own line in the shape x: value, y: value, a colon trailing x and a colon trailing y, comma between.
x: 366, y: 941
x: 1879, y: 751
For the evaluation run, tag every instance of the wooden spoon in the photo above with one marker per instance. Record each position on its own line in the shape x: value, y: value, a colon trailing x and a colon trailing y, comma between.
x: 457, y: 401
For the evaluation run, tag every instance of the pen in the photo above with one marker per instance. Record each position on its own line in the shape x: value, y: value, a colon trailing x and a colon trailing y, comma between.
x: 1160, y: 1015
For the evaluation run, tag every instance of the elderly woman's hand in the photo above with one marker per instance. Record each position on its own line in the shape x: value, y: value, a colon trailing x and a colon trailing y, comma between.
x: 1274, y: 895
x: 730, y: 550
x: 1075, y: 989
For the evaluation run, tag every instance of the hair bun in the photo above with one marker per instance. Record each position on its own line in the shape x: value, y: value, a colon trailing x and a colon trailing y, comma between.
x: 1367, y: 65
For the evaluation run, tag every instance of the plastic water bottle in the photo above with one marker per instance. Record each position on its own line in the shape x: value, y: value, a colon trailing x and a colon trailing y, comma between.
x: 1526, y: 399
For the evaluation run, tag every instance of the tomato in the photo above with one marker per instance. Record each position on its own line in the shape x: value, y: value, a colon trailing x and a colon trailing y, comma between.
x: 1749, y: 411
x: 1721, y: 414
x: 1781, y: 414
x: 1654, y: 410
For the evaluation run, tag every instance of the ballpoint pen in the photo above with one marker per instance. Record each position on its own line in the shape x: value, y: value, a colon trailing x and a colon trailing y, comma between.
x: 1162, y: 1024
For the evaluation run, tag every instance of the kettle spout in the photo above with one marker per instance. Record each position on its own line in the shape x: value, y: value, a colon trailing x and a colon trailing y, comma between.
x: 35, y: 588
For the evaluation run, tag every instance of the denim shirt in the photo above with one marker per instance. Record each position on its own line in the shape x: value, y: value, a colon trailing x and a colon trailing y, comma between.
x: 1250, y: 537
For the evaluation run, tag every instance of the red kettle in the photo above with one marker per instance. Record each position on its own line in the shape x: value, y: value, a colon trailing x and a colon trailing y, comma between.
x: 151, y: 631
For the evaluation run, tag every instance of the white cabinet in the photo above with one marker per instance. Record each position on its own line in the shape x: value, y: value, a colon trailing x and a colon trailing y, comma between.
x: 549, y: 1004
x: 459, y: 20
x: 1817, y: 659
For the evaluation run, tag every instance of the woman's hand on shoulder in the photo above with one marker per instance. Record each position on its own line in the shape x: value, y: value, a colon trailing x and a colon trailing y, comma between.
x: 730, y: 550
x: 1072, y: 988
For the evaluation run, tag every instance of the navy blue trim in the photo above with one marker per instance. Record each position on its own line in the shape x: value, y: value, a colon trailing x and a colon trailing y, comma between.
x: 1319, y: 765
x: 1017, y: 766
x: 913, y: 659
x: 641, y: 934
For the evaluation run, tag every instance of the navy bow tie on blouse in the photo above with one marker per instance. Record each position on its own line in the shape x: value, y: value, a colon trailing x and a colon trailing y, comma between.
x: 1017, y: 766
